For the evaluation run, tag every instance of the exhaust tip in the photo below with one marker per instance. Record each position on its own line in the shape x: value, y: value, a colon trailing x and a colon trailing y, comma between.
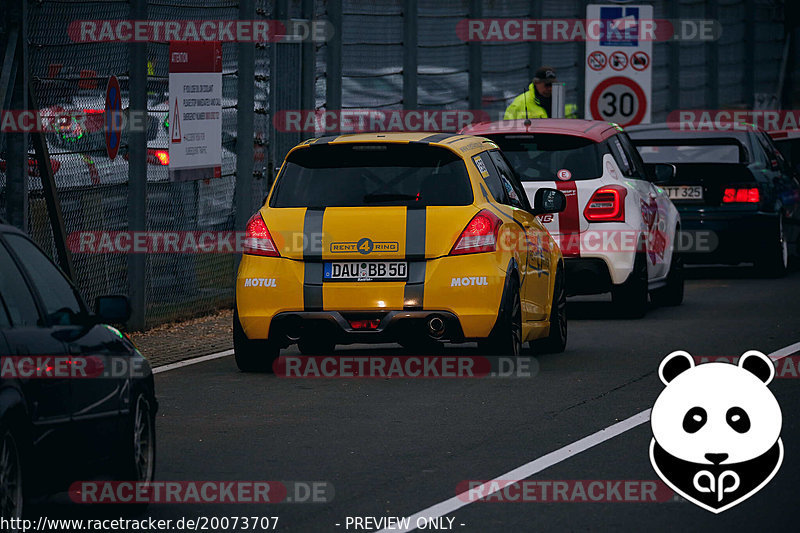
x: 294, y: 329
x: 436, y: 327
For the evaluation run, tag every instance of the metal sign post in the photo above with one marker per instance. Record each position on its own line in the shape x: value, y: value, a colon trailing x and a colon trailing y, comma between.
x: 558, y: 96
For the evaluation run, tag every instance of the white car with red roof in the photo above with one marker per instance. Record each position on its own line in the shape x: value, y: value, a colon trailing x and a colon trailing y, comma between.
x: 619, y: 229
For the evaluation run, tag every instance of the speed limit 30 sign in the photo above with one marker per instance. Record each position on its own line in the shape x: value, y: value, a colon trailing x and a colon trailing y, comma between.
x: 619, y: 99
x: 620, y: 91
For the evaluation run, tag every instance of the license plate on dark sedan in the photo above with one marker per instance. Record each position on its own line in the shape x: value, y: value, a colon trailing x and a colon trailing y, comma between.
x: 685, y: 192
x: 366, y: 271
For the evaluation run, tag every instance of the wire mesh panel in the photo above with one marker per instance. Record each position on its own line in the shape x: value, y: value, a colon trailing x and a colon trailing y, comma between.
x: 443, y: 57
x: 189, y: 283
x: 70, y: 77
x: 566, y: 57
x: 769, y: 41
x: 372, y: 54
x: 732, y: 46
x: 693, y: 60
x: 505, y: 65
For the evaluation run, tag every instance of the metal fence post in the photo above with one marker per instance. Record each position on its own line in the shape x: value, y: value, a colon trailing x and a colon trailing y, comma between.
x: 50, y: 192
x: 674, y: 64
x: 712, y: 61
x: 308, y: 76
x: 580, y: 88
x: 17, y: 143
x: 410, y: 31
x: 750, y: 52
x: 245, y: 93
x: 137, y: 172
x: 333, y: 80
x: 535, y: 47
x: 475, y: 61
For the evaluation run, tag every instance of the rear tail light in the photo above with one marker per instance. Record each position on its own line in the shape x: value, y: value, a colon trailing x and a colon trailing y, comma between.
x: 737, y: 195
x: 257, y: 240
x: 157, y: 157
x: 480, y: 235
x: 607, y: 204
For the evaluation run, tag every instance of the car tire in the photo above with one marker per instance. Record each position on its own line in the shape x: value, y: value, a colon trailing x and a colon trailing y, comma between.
x: 775, y: 261
x: 556, y: 341
x: 672, y: 293
x: 12, y: 489
x: 506, y: 336
x: 136, y: 452
x: 252, y: 355
x: 630, y: 298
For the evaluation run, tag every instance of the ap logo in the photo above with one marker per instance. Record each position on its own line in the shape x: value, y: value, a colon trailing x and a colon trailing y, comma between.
x: 716, y: 429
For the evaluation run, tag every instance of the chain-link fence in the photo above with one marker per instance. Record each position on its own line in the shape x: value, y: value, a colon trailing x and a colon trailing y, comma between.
x: 383, y: 54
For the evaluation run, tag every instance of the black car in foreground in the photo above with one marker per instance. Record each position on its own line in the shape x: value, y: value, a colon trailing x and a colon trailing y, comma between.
x: 737, y: 197
x: 77, y: 398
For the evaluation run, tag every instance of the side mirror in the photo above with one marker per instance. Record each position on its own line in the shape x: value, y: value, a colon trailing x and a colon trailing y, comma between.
x: 660, y: 173
x: 113, y: 309
x: 549, y: 201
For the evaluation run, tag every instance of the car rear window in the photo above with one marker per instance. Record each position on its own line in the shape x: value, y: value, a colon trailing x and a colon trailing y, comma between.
x: 354, y: 175
x: 695, y: 151
x: 540, y: 156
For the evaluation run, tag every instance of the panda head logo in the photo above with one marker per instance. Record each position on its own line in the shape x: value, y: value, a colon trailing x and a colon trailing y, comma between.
x: 716, y: 429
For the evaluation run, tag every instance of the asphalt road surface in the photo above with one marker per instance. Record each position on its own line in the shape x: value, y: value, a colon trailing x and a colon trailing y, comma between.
x: 398, y: 447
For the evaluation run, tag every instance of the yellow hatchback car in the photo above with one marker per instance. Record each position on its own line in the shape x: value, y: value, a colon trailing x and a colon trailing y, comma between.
x: 398, y: 237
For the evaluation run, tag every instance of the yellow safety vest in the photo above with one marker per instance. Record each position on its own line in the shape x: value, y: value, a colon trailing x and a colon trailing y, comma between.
x: 528, y: 100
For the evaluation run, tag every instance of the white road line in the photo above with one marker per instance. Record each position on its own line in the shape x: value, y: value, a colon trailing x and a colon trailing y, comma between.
x: 783, y: 352
x: 537, y: 465
x: 194, y: 361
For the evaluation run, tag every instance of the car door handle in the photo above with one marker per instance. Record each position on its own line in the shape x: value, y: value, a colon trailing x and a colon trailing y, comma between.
x: 74, y: 349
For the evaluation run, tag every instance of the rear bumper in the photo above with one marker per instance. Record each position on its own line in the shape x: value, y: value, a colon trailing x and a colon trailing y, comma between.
x: 335, y: 326
x: 468, y: 288
x: 710, y: 236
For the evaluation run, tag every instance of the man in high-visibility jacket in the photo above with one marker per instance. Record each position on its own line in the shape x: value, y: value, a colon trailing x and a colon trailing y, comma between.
x: 536, y: 102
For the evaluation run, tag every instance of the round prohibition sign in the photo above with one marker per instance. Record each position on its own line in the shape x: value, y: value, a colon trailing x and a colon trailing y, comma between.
x: 618, y: 60
x: 618, y: 99
x: 640, y: 61
x: 597, y: 60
